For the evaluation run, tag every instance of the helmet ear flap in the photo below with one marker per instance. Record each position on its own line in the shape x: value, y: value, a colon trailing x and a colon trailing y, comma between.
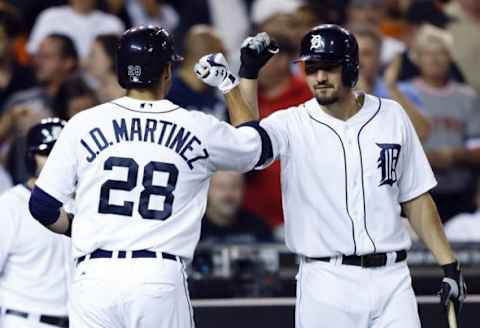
x: 349, y: 75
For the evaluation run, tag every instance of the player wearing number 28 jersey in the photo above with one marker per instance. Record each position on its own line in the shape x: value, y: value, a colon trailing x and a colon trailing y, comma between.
x: 139, y: 167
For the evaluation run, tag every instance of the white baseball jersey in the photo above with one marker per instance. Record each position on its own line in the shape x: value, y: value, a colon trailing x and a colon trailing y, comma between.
x: 140, y: 171
x: 35, y: 264
x: 343, y: 181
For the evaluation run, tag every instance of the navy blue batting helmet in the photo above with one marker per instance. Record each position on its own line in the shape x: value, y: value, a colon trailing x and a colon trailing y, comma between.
x: 332, y: 45
x: 40, y: 140
x: 142, y: 55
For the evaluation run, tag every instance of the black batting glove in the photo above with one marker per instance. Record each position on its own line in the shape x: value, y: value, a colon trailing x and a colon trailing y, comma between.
x: 255, y: 53
x: 453, y: 287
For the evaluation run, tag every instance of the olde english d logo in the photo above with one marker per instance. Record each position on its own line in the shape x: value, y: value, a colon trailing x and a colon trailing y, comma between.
x: 387, y: 163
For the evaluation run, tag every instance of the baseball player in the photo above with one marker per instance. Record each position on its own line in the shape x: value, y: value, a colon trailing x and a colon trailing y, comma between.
x: 34, y: 262
x: 351, y: 162
x: 140, y: 167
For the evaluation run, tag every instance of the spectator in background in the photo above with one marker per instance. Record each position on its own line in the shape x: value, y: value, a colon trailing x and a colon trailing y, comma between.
x: 187, y: 90
x: 465, y: 29
x: 152, y: 12
x: 79, y: 20
x: 76, y: 96
x: 453, y: 147
x: 387, y: 86
x: 417, y: 14
x: 13, y: 75
x: 371, y: 13
x: 225, y: 221
x: 465, y: 227
x: 100, y: 67
x: 278, y: 88
x: 277, y: 17
x: 55, y: 61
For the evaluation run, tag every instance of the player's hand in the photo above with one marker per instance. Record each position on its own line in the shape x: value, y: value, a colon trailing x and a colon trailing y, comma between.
x: 255, y: 53
x: 453, y: 287
x: 213, y: 70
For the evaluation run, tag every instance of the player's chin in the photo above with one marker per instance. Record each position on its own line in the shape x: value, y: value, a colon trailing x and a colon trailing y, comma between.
x: 326, y: 100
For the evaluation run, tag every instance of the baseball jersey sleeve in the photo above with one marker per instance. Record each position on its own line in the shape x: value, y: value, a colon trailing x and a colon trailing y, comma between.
x: 59, y: 175
x: 235, y: 148
x: 8, y: 230
x: 417, y: 176
x: 276, y: 127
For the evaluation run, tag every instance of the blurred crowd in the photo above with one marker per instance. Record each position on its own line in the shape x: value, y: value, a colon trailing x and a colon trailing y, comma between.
x: 58, y: 58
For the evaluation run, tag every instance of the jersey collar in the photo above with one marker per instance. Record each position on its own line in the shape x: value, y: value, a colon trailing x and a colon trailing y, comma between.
x: 369, y: 108
x: 142, y: 106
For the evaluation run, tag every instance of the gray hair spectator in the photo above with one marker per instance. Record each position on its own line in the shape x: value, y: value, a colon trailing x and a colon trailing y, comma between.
x: 225, y: 221
x: 79, y: 20
x: 100, y: 67
x: 453, y: 146
x: 386, y: 86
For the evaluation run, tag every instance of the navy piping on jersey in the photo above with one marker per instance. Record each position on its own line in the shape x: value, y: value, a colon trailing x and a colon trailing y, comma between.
x: 144, y: 112
x: 267, y: 149
x: 361, y: 170
x: 346, y: 180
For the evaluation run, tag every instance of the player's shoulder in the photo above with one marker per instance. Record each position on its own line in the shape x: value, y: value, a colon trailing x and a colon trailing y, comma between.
x: 289, y: 114
x: 89, y: 114
x: 12, y: 196
x: 389, y: 109
x: 56, y: 11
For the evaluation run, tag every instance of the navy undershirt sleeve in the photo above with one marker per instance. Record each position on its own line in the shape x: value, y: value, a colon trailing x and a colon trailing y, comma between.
x: 43, y: 207
x: 267, y: 150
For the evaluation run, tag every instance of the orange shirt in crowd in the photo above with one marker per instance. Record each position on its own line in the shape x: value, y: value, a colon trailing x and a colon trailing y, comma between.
x: 263, y: 195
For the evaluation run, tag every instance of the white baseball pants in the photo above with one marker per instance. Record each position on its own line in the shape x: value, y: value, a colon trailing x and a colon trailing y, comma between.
x: 130, y: 293
x: 345, y: 296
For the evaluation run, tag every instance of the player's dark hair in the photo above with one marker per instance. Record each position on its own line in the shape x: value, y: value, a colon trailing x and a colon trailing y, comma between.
x: 67, y: 46
x: 109, y: 43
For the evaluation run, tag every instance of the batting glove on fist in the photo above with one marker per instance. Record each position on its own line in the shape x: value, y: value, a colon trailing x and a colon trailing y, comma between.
x: 453, y: 287
x: 255, y: 53
x: 213, y: 70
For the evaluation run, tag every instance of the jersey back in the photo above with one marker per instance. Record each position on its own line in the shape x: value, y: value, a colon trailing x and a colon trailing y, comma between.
x: 140, y: 173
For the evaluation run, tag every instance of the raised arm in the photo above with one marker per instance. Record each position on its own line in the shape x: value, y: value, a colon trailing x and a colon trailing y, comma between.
x: 241, y: 101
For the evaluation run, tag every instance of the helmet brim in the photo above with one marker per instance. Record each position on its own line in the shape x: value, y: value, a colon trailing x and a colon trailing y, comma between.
x: 329, y: 60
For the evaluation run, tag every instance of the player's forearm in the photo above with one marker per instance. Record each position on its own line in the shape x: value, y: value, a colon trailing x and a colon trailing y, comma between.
x: 62, y: 225
x: 239, y: 108
x: 248, y: 88
x: 426, y: 223
x: 420, y: 123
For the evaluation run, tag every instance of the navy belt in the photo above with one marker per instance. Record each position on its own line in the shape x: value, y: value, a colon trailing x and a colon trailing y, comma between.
x: 104, y: 254
x: 365, y: 261
x: 47, y: 319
